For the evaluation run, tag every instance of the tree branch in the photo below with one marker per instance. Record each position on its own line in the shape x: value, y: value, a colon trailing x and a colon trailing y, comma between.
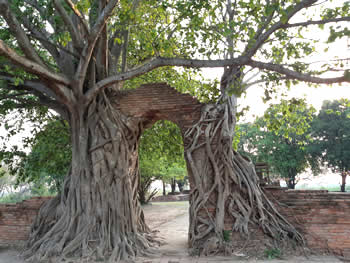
x: 291, y: 74
x: 79, y: 15
x: 31, y: 66
x: 76, y: 37
x: 56, y: 83
x: 162, y: 62
x: 44, y: 94
x: 42, y: 11
x: 91, y: 41
x: 317, y: 22
x: 19, y: 33
x: 251, y: 49
x: 42, y: 37
x: 31, y: 85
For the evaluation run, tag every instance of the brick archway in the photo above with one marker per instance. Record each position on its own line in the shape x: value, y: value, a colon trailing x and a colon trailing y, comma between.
x: 154, y: 102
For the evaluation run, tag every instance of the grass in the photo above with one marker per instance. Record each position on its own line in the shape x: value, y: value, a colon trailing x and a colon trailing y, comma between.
x: 330, y: 188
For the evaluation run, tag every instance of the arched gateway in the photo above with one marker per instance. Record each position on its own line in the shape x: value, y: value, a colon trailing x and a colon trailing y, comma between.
x: 226, y: 202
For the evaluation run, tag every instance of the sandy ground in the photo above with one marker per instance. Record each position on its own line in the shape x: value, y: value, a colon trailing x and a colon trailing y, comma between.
x: 171, y: 220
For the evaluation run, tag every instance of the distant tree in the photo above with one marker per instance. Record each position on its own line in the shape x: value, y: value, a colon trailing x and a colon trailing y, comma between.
x: 280, y: 139
x: 161, y: 157
x: 331, y: 132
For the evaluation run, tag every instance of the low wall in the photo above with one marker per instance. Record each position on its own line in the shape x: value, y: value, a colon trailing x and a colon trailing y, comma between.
x: 323, y: 217
x: 16, y: 219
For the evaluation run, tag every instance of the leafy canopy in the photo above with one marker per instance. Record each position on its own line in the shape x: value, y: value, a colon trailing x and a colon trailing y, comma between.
x: 280, y: 138
x: 331, y: 132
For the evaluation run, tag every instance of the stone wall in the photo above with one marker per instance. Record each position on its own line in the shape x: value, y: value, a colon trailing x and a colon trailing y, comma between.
x: 323, y: 217
x: 16, y: 219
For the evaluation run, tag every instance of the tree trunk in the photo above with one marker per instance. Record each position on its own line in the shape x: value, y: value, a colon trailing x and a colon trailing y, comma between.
x: 173, y: 185
x: 164, y: 190
x: 343, y: 181
x: 225, y: 188
x: 291, y: 183
x: 180, y: 184
x: 97, y: 215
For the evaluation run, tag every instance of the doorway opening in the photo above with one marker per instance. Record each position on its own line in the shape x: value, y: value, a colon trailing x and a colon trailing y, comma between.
x: 164, y: 186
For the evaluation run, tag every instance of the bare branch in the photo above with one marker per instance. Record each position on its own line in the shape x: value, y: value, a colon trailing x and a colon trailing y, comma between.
x: 76, y: 37
x: 317, y: 22
x: 101, y: 53
x: 31, y: 66
x: 19, y: 33
x: 291, y: 74
x: 89, y: 46
x: 124, y: 49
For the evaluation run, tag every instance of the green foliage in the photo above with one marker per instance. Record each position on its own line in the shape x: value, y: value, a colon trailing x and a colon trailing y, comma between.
x: 331, y: 132
x: 272, y: 253
x: 280, y: 139
x: 161, y: 152
x: 49, y: 160
x: 227, y: 235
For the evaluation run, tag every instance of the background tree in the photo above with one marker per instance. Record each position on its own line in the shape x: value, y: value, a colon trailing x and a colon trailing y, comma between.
x: 75, y: 56
x: 331, y: 132
x: 49, y: 159
x: 161, y: 154
x: 280, y: 139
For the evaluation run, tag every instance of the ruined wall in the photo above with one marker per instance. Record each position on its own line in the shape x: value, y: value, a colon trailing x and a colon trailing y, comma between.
x: 323, y: 217
x: 160, y: 102
x: 16, y: 219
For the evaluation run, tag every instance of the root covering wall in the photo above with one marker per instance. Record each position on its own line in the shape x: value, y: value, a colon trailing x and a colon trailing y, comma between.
x: 323, y: 217
x: 16, y: 219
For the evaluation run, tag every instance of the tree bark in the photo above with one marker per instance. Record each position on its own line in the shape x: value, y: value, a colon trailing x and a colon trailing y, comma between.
x: 343, y: 181
x: 225, y: 192
x: 98, y: 214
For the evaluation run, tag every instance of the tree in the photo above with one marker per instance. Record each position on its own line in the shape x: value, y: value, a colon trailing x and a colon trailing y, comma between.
x: 161, y: 155
x: 280, y: 139
x: 76, y: 58
x: 331, y: 132
x: 50, y: 157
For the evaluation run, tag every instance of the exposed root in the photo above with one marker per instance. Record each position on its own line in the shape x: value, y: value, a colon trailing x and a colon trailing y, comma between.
x: 226, y: 195
x: 98, y: 215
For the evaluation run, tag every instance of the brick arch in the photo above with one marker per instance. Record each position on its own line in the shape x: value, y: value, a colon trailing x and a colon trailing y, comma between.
x: 153, y: 102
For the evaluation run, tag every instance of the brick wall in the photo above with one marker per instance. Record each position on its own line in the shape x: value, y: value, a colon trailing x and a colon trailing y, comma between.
x: 16, y: 219
x: 323, y: 217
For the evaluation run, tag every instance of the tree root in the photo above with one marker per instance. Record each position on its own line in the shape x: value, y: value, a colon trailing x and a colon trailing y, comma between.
x: 225, y: 194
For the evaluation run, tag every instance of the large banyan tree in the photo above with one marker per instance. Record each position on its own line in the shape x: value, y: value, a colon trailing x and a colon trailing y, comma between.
x: 77, y: 56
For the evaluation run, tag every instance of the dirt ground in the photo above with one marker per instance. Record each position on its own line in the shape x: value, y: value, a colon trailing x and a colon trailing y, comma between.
x: 171, y: 220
